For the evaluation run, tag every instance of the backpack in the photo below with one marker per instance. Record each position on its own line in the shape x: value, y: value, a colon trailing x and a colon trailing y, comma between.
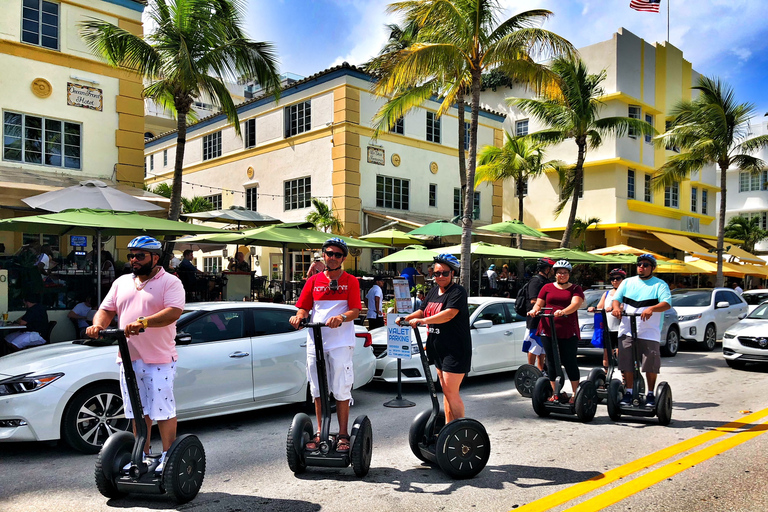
x: 522, y: 301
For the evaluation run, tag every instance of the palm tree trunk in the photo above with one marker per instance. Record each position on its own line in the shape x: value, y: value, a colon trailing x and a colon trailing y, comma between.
x: 469, y: 197
x: 519, y: 184
x: 721, y: 225
x: 578, y: 178
x: 181, y: 140
x: 462, y: 159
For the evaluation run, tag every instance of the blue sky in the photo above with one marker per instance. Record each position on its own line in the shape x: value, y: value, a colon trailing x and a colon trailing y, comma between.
x: 724, y: 38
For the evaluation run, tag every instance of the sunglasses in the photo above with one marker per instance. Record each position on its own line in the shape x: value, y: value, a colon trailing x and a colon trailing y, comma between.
x: 138, y: 257
x: 617, y: 279
x: 337, y: 255
x: 644, y: 264
x: 444, y: 273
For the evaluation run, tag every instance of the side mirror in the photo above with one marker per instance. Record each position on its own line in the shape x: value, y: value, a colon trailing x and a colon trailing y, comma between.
x: 722, y: 304
x: 183, y: 338
x: 482, y: 324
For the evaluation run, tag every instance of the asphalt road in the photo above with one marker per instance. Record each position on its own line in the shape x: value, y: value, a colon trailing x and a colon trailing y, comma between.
x: 710, y: 458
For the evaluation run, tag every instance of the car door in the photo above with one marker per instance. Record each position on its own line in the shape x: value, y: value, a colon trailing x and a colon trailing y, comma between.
x: 517, y: 327
x: 279, y: 357
x: 737, y: 310
x: 214, y: 369
x: 492, y: 347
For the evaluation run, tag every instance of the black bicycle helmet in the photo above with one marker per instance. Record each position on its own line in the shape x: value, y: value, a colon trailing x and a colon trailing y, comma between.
x: 618, y: 272
x: 544, y: 263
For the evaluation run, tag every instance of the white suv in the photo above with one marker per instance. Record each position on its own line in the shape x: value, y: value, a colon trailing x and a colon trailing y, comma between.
x: 704, y: 314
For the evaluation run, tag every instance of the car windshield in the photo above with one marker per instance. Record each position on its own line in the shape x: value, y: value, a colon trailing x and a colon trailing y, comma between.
x: 591, y: 298
x: 753, y: 299
x: 691, y: 298
x: 472, y: 308
x: 760, y: 312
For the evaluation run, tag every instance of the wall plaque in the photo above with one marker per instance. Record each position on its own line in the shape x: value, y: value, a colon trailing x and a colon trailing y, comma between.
x: 84, y: 96
x: 376, y: 155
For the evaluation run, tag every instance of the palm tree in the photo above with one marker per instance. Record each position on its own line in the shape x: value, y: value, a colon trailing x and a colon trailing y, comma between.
x: 196, y: 204
x: 712, y: 129
x: 324, y: 218
x: 163, y: 189
x: 195, y: 47
x: 580, y: 228
x: 457, y: 41
x: 574, y: 114
x: 520, y: 159
x: 742, y: 227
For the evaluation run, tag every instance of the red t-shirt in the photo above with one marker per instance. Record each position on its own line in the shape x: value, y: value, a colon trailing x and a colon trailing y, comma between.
x: 322, y: 302
x: 554, y: 297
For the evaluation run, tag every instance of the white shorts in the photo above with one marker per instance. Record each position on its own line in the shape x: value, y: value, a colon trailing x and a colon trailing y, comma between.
x: 25, y: 339
x: 535, y: 348
x: 338, y: 366
x: 155, y: 383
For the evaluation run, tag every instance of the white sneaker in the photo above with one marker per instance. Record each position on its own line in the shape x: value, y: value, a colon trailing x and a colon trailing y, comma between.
x: 161, y: 464
x: 147, y: 461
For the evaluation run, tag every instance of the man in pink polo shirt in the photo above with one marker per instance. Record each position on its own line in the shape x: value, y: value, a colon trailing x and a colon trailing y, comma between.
x: 151, y: 300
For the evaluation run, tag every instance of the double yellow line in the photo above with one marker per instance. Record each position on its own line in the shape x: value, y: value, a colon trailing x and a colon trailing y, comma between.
x: 636, y: 485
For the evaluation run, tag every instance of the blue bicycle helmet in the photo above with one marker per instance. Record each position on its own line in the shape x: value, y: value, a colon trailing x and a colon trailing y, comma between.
x: 146, y: 243
x: 650, y: 258
x: 448, y: 259
x: 337, y: 242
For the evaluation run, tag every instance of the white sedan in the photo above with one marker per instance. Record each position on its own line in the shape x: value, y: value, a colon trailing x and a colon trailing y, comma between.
x: 747, y: 341
x: 241, y: 356
x: 497, y: 341
x: 704, y: 314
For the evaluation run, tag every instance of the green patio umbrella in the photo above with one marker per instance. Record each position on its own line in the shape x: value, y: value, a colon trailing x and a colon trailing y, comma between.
x: 438, y: 228
x: 512, y: 227
x: 576, y: 256
x: 391, y: 237
x: 409, y: 254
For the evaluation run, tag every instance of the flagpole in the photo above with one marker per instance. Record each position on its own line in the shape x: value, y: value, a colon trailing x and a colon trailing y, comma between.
x: 668, y: 2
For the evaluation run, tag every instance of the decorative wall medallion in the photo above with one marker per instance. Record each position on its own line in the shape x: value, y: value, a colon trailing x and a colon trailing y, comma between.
x: 41, y: 87
x: 396, y: 160
x: 433, y: 167
x: 249, y: 173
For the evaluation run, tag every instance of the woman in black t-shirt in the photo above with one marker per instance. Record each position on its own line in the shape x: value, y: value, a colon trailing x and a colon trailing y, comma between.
x: 449, y: 345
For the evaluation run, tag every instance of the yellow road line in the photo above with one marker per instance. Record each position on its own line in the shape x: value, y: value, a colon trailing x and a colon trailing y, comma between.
x: 580, y: 489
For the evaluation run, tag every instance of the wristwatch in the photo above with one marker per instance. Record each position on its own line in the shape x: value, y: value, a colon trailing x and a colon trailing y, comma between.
x: 343, y: 317
x: 144, y: 321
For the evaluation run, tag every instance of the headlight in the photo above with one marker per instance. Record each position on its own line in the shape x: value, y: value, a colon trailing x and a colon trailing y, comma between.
x: 688, y: 318
x: 27, y: 383
x: 587, y: 327
x: 728, y: 335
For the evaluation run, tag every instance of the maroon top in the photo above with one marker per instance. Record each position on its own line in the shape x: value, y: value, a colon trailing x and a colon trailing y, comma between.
x: 555, y: 298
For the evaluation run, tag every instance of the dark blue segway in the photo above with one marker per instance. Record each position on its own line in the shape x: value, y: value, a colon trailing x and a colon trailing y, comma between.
x: 302, y: 429
x: 599, y: 376
x: 663, y: 406
x: 461, y: 448
x: 184, y: 469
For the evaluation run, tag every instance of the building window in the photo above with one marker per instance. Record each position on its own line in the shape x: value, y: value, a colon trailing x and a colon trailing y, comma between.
x: 458, y: 204
x: 41, y: 140
x: 672, y: 195
x: 634, y: 113
x: 151, y: 162
x: 165, y: 158
x: 525, y: 188
x: 762, y: 216
x: 704, y: 202
x: 392, y: 192
x: 749, y: 182
x: 298, y: 118
x: 521, y: 128
x: 398, y: 127
x: 250, y: 133
x: 301, y: 263
x: 649, y: 120
x: 215, y: 201
x: 630, y: 183
x: 212, y: 264
x: 298, y: 193
x: 251, y: 198
x: 433, y: 194
x: 433, y: 128
x: 647, y: 197
x: 467, y: 130
x: 212, y: 145
x: 694, y: 198
x: 40, y: 23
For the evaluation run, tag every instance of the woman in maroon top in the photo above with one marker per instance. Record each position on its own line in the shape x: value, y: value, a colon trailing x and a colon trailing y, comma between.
x: 564, y: 298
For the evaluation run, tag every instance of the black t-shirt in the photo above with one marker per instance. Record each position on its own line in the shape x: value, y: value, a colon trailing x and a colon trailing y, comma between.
x: 37, y: 319
x: 535, y: 285
x: 449, y: 345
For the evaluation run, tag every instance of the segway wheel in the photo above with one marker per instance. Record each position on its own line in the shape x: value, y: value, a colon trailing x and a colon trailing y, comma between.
x: 525, y: 378
x: 362, y: 445
x: 299, y: 434
x: 664, y: 404
x: 598, y: 378
x: 416, y: 434
x: 115, y: 454
x: 463, y: 448
x: 586, y: 401
x: 541, y: 392
x: 615, y: 394
x: 184, y: 469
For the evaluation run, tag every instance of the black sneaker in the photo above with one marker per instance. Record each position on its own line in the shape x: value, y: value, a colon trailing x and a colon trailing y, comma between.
x: 650, y: 400
x: 627, y: 400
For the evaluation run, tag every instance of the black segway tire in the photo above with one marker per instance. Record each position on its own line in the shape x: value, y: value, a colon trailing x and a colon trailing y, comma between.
x: 586, y: 401
x: 525, y: 379
x: 362, y: 445
x: 184, y: 469
x: 598, y: 378
x: 115, y: 454
x: 664, y: 403
x: 463, y: 448
x: 541, y: 392
x: 299, y: 434
x: 615, y: 394
x: 417, y: 431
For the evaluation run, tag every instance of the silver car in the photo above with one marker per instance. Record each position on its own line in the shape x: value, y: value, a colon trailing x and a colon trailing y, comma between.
x: 241, y: 356
x: 747, y: 341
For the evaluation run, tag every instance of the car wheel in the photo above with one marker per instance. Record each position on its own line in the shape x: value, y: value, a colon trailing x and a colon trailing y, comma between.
x: 710, y: 338
x: 673, y: 343
x: 94, y: 413
x: 736, y: 364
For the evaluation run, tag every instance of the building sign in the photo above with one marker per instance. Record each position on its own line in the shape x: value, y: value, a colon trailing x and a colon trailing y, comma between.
x: 84, y: 96
x: 78, y: 241
x: 376, y: 155
x: 690, y: 224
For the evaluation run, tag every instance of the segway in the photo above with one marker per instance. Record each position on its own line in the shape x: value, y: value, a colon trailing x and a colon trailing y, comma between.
x: 525, y: 379
x: 585, y: 401
x: 461, y: 448
x: 302, y: 429
x: 663, y: 406
x: 598, y: 376
x: 184, y: 468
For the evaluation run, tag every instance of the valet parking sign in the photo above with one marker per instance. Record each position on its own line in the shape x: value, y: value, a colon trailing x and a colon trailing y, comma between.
x: 399, y: 337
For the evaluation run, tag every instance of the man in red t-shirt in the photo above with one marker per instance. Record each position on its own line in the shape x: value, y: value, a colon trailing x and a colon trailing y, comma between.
x: 333, y: 297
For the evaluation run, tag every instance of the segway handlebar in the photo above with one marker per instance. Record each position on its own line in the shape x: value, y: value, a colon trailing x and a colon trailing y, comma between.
x: 549, y: 315
x: 305, y: 323
x: 113, y: 333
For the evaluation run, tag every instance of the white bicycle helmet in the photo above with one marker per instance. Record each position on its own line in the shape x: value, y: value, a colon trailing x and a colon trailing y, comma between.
x: 562, y: 264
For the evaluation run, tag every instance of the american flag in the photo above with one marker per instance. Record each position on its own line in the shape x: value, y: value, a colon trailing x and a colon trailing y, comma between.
x: 645, y: 5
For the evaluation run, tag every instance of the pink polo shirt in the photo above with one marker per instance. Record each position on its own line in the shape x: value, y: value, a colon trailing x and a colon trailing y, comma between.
x: 130, y: 299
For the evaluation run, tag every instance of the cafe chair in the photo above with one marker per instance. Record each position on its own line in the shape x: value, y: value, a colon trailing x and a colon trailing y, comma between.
x: 47, y: 335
